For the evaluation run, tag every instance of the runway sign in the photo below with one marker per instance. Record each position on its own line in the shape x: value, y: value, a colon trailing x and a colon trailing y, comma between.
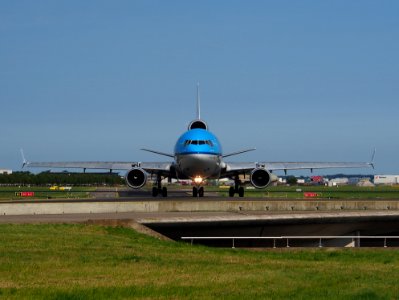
x: 24, y: 194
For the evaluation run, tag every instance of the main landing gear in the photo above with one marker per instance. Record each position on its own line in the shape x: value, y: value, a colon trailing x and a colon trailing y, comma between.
x: 237, y: 188
x: 159, y: 189
x: 198, y: 192
x: 163, y: 191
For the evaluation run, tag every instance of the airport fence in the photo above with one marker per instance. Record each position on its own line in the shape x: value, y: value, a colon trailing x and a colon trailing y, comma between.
x: 301, y: 241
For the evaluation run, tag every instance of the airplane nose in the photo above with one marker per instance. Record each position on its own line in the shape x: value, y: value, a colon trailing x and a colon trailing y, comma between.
x: 198, y: 165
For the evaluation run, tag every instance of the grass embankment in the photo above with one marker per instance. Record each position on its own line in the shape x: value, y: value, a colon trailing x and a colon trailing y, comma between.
x: 91, y: 262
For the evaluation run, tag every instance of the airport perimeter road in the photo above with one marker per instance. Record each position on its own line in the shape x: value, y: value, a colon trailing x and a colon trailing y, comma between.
x: 137, y: 216
x: 200, y: 217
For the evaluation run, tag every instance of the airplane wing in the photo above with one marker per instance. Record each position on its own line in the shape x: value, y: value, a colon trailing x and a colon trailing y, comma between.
x: 162, y: 168
x: 234, y: 168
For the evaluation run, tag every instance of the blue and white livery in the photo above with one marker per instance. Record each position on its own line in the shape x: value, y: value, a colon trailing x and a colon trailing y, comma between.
x: 198, y: 156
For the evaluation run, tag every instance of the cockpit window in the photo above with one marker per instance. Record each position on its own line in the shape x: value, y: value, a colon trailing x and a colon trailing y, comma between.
x: 197, y: 142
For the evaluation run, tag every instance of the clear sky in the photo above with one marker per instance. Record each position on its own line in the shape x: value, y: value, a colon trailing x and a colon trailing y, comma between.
x: 298, y: 80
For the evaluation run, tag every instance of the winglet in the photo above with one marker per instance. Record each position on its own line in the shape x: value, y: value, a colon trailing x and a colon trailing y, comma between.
x: 24, y: 161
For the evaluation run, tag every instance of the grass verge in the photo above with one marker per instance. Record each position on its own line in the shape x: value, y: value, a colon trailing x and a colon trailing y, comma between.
x: 93, y: 262
x: 341, y: 192
x: 8, y: 193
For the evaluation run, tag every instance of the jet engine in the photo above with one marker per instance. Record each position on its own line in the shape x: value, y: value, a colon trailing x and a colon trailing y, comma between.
x: 136, y: 178
x: 197, y: 124
x: 261, y: 178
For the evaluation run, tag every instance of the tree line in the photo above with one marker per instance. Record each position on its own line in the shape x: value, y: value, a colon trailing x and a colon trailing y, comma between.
x: 47, y: 178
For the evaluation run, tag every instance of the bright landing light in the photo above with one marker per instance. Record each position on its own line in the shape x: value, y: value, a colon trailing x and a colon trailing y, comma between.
x: 198, y: 180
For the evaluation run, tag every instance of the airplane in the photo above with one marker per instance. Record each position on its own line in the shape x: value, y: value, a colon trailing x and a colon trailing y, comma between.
x: 198, y: 156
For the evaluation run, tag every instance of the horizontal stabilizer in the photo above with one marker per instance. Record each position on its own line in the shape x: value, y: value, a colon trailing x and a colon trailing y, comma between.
x: 239, y: 152
x: 158, y: 152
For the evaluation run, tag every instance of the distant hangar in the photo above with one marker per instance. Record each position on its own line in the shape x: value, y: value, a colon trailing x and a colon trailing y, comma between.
x: 386, y: 179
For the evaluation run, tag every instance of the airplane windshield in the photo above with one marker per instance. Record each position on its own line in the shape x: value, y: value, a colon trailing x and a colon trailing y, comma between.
x: 197, y: 142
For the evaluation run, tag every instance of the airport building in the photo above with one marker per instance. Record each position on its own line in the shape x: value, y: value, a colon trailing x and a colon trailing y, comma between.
x: 338, y: 181
x: 386, y: 179
x: 5, y: 172
x: 365, y: 183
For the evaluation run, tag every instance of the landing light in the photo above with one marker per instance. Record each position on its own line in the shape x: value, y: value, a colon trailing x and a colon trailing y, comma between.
x: 198, y: 179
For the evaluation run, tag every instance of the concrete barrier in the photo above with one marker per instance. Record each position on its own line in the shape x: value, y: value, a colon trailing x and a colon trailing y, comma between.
x: 194, y: 206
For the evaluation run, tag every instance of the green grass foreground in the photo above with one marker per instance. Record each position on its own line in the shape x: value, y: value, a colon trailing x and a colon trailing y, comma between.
x: 93, y: 262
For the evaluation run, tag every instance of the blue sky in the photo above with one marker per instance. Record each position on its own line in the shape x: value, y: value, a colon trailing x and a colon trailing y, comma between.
x: 298, y: 80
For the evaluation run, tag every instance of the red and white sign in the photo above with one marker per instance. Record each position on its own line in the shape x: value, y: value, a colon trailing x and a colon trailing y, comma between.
x: 25, y: 194
x: 310, y: 195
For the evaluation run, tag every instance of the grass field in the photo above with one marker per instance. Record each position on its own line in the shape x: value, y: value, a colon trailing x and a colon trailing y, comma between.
x: 92, y: 262
x: 277, y: 192
x: 341, y: 192
x: 8, y: 193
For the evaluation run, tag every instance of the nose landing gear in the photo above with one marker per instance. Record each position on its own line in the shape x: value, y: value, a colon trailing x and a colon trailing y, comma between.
x: 198, y: 192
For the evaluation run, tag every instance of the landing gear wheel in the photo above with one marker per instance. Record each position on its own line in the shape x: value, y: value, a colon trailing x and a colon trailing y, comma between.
x: 231, y: 191
x: 241, y: 191
x: 201, y: 192
x: 195, y: 192
x: 154, y: 191
x: 164, y: 192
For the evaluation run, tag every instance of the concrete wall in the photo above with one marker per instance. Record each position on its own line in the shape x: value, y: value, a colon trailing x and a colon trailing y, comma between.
x: 194, y: 206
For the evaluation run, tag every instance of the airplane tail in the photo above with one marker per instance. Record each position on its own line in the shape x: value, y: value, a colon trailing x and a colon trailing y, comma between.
x: 198, y: 123
x: 198, y: 103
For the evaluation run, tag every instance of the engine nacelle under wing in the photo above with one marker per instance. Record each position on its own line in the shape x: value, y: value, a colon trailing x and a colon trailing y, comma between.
x: 136, y: 178
x: 261, y: 178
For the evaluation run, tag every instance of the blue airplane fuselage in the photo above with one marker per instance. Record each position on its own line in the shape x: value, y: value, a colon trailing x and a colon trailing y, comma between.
x: 198, y: 154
